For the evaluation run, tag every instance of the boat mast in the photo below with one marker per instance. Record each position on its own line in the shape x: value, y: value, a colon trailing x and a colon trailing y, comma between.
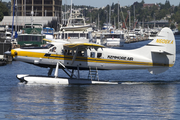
x: 65, y: 22
x: 98, y: 21
x: 134, y: 17
x: 13, y: 20
x: 129, y: 20
x: 123, y: 17
x: 16, y: 6
x: 118, y: 14
x: 154, y: 21
x: 32, y: 13
x: 109, y: 15
x: 24, y: 12
x: 71, y: 14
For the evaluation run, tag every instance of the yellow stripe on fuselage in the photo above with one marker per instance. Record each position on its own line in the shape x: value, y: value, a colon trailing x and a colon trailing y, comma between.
x: 87, y: 59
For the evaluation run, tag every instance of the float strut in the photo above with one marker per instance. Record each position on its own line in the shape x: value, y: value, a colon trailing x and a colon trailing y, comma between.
x: 50, y: 71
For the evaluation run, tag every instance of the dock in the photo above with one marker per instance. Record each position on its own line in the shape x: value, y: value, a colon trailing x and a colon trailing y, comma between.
x: 3, y: 48
x: 137, y: 39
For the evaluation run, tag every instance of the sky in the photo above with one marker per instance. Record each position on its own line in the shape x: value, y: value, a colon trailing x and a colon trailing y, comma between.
x: 103, y: 3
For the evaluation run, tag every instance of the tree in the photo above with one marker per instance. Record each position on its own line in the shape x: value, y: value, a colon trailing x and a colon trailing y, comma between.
x: 3, y: 11
x: 167, y: 4
x: 142, y: 2
x: 1, y: 15
x: 173, y: 26
x: 179, y: 27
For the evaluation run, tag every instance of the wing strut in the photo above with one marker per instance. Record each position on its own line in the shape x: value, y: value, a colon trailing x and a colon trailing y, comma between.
x: 74, y: 57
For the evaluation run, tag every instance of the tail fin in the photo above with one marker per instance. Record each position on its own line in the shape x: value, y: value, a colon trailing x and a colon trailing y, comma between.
x: 163, y: 51
x: 166, y: 40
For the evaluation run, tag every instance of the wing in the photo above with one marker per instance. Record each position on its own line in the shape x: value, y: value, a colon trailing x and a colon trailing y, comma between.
x: 83, y: 45
x: 55, y: 40
x: 48, y: 40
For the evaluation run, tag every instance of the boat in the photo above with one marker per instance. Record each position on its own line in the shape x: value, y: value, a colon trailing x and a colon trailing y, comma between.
x: 76, y: 30
x: 153, y: 34
x: 31, y: 36
x: 114, y: 38
x: 176, y: 32
x: 74, y: 36
x: 5, y: 46
x: 107, y: 26
x: 131, y: 35
x: 48, y: 32
x: 76, y: 22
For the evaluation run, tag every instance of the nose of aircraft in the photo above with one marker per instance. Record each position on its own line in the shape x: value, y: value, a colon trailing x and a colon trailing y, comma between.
x: 13, y: 52
x: 7, y: 53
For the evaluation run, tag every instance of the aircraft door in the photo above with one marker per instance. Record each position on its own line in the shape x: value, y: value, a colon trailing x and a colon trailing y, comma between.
x: 92, y: 59
x: 53, y: 50
x: 99, y: 59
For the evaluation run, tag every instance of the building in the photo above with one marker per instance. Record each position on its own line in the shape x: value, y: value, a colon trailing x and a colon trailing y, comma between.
x: 149, y: 5
x: 40, y: 7
x: 157, y: 23
x: 45, y: 11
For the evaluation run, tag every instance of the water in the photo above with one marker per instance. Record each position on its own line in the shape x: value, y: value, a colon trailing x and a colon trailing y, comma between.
x: 152, y: 97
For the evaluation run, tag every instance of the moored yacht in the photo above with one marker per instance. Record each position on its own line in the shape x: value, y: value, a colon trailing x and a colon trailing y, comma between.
x: 110, y: 39
x: 76, y: 22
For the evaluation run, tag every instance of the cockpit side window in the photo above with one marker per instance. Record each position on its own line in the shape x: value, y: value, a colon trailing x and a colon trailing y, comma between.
x: 53, y: 49
x: 49, y: 45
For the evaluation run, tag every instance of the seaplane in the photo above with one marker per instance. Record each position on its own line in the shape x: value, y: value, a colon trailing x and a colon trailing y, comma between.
x: 157, y: 57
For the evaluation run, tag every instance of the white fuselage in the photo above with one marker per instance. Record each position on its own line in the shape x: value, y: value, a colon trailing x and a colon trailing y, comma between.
x: 100, y: 58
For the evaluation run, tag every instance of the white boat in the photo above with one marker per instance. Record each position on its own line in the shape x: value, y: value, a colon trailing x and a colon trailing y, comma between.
x: 131, y: 35
x: 75, y: 27
x: 74, y: 36
x: 138, y: 31
x: 110, y: 39
x: 76, y: 22
x: 107, y: 26
x: 153, y: 33
x: 176, y: 32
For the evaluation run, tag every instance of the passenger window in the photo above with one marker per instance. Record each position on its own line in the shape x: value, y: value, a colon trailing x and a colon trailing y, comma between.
x: 93, y: 54
x: 80, y: 53
x: 99, y: 55
x: 68, y: 52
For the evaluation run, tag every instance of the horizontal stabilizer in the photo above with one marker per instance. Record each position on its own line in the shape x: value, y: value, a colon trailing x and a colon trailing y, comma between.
x: 161, y: 52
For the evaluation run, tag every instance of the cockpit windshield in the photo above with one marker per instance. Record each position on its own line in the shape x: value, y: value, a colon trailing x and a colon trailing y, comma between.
x: 49, y: 46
